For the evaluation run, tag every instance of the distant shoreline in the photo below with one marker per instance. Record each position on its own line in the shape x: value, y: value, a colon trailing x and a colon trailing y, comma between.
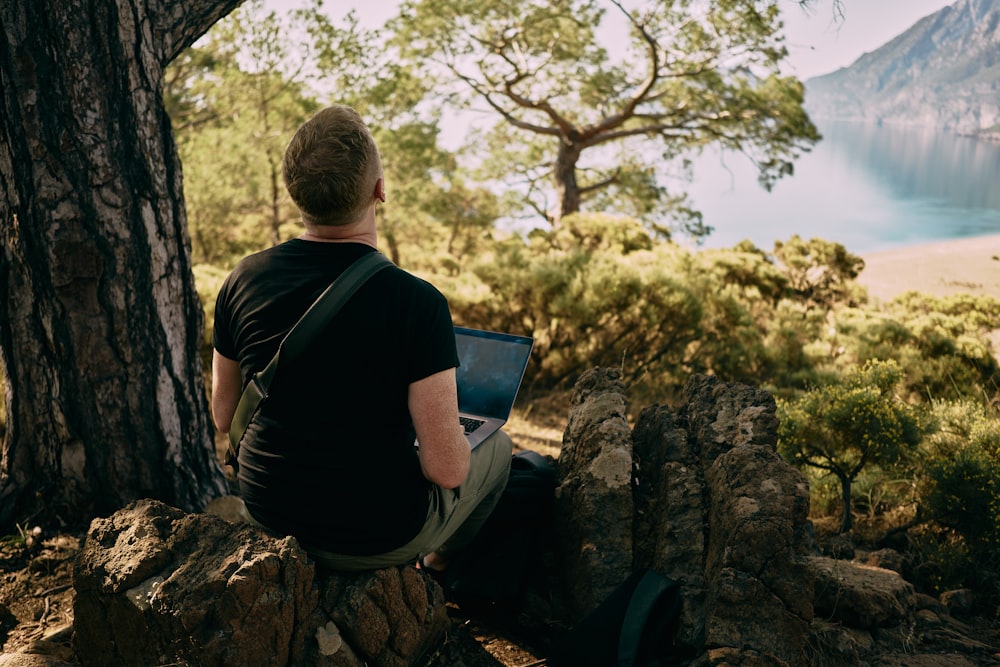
x: 941, y: 268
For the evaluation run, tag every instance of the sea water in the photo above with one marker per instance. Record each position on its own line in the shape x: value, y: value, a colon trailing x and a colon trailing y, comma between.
x: 870, y: 187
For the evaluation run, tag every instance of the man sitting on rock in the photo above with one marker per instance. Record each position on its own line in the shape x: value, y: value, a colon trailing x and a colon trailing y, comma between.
x: 330, y: 457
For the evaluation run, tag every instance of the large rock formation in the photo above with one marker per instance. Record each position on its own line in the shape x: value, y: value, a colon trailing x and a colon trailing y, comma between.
x: 594, y: 505
x: 710, y: 504
x: 706, y: 501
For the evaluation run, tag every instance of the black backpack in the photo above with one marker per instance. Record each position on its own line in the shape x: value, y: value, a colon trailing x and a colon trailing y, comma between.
x: 495, y: 570
x: 633, y: 627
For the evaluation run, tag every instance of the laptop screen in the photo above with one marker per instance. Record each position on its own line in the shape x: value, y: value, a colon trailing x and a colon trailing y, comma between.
x: 492, y: 365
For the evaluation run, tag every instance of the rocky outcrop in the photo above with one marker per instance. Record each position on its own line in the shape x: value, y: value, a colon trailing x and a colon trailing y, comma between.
x: 709, y: 504
x: 155, y: 585
x: 594, y: 506
x: 715, y: 508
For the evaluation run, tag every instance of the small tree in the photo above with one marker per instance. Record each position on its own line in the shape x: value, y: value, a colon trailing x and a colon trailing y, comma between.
x: 842, y: 428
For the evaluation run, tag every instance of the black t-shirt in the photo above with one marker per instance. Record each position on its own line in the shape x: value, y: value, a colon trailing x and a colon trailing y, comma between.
x: 330, y: 457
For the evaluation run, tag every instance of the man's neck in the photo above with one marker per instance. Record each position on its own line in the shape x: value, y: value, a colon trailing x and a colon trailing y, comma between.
x: 362, y: 231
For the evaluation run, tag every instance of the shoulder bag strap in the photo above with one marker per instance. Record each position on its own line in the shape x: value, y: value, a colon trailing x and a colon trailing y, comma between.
x: 297, y: 339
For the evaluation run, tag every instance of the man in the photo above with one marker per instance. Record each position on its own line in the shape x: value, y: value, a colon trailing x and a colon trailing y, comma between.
x: 330, y: 458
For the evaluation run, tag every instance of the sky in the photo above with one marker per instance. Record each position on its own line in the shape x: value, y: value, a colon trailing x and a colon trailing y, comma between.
x: 817, y: 42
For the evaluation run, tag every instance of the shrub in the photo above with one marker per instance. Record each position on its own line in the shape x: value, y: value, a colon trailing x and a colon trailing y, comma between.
x: 962, y: 487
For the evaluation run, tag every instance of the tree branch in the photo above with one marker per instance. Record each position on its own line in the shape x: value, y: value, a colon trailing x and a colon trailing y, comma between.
x: 182, y: 22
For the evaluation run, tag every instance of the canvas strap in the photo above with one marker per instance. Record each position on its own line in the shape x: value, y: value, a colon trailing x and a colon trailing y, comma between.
x: 297, y: 339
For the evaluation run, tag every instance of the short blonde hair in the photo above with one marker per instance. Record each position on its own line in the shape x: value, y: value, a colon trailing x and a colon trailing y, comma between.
x: 331, y: 167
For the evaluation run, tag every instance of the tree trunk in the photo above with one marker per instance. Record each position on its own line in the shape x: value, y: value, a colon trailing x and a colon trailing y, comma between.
x: 567, y: 189
x: 847, y: 519
x: 100, y: 323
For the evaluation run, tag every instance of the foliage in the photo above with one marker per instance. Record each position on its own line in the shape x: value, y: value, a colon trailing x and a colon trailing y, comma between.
x: 586, y: 119
x: 208, y: 281
x: 235, y: 99
x: 941, y: 344
x: 962, y: 483
x: 595, y: 292
x: 842, y: 428
x: 820, y: 273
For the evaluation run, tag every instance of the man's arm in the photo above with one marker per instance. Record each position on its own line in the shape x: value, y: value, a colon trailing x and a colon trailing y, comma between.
x: 227, y: 387
x: 444, y: 450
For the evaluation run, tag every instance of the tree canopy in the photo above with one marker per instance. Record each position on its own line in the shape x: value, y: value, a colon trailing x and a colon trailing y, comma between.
x: 609, y: 120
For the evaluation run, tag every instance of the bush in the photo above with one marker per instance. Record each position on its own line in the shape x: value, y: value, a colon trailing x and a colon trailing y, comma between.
x: 962, y: 489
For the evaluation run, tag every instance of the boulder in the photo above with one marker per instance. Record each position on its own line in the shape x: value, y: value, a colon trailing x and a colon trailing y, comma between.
x: 859, y: 595
x: 958, y: 601
x: 155, y: 585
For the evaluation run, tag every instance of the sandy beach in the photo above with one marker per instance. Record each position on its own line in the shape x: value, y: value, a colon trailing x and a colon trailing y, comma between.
x: 969, y: 265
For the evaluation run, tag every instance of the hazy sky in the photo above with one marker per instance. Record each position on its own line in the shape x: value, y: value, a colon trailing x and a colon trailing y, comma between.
x: 817, y: 43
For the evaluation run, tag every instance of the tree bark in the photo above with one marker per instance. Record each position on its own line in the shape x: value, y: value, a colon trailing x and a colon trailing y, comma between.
x: 100, y: 323
x: 847, y: 518
x: 564, y: 176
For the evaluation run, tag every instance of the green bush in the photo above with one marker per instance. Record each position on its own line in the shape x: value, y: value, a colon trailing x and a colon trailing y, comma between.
x: 962, y: 487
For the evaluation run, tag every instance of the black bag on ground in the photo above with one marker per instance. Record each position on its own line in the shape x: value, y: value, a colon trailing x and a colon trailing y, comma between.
x: 494, y: 571
x: 633, y: 627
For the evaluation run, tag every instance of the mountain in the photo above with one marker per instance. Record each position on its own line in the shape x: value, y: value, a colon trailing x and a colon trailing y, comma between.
x: 943, y: 72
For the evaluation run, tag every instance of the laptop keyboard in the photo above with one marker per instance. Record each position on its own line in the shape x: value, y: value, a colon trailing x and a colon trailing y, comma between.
x: 470, y: 424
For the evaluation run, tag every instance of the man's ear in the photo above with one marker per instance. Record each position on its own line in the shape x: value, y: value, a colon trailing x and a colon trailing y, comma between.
x: 380, y: 190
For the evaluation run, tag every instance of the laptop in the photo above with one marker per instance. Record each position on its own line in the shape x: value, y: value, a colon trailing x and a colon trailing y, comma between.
x: 490, y: 372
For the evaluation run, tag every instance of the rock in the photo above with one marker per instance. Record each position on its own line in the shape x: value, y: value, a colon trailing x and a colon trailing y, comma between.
x: 671, y: 507
x: 958, y: 601
x: 925, y: 601
x: 33, y: 660
x: 890, y: 559
x: 840, y: 547
x: 760, y: 592
x: 861, y: 596
x: 594, y: 506
x: 724, y: 415
x: 155, y: 585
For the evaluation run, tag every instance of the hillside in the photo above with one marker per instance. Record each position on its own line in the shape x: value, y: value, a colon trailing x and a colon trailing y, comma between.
x: 943, y: 72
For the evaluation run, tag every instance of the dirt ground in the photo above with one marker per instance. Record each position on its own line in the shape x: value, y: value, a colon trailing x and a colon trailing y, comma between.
x: 36, y: 592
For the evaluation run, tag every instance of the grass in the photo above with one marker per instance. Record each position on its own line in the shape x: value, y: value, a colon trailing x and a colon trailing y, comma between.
x: 538, y: 423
